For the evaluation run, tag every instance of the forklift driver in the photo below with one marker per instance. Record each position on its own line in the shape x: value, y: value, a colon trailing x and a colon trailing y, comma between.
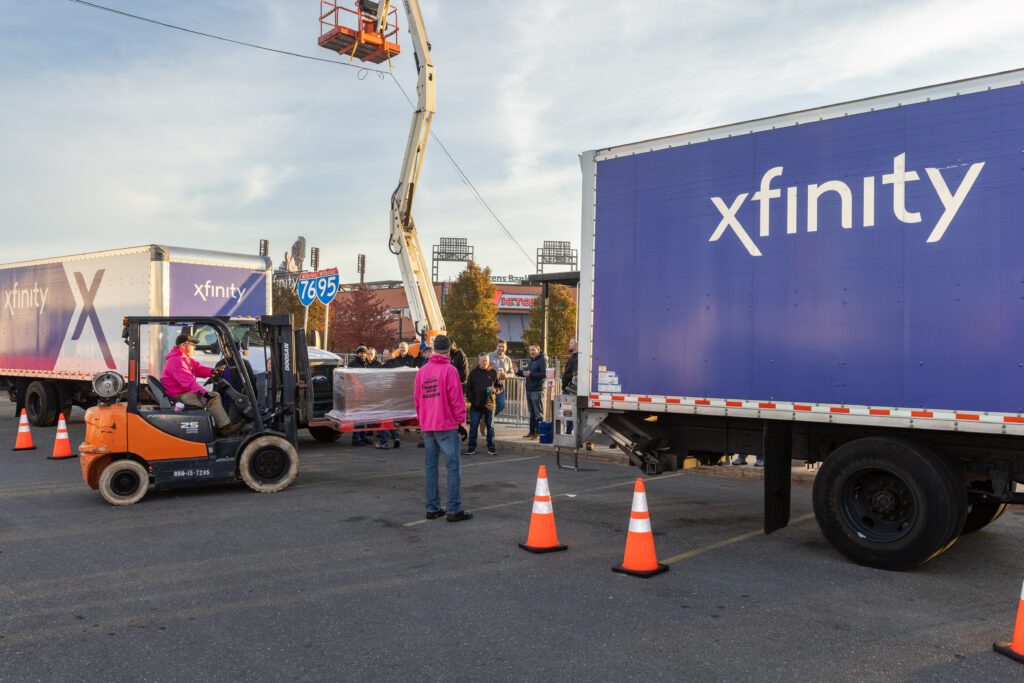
x: 179, y: 381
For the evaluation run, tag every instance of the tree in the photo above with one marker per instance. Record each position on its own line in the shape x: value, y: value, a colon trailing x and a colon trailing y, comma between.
x: 285, y: 300
x: 359, y: 318
x: 561, y: 322
x: 471, y: 312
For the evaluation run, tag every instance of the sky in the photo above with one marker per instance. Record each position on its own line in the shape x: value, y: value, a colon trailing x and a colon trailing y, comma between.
x: 117, y: 133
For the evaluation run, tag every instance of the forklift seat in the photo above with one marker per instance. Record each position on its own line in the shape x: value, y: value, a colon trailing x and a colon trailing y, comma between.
x: 156, y: 390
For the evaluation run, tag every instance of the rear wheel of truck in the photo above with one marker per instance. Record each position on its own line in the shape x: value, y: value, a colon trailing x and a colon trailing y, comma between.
x: 325, y: 434
x: 268, y: 464
x: 41, y: 403
x: 124, y: 482
x: 981, y: 514
x: 889, y: 503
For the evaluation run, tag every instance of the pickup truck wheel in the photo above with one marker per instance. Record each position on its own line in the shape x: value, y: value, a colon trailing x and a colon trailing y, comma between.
x: 268, y: 464
x: 888, y: 503
x: 41, y: 403
x: 981, y: 514
x: 325, y: 434
x: 124, y: 482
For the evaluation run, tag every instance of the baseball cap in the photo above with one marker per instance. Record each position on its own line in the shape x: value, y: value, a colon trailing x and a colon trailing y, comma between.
x: 183, y: 338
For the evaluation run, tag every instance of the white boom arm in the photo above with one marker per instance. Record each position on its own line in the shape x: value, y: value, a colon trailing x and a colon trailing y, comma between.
x: 404, y: 242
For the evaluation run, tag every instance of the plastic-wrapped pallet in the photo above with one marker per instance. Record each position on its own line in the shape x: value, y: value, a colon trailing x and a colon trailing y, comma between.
x: 370, y: 395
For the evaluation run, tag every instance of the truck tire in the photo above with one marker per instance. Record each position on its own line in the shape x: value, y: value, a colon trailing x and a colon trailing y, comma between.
x: 41, y: 403
x: 889, y: 503
x: 124, y: 482
x: 268, y: 464
x: 324, y: 434
x: 981, y: 514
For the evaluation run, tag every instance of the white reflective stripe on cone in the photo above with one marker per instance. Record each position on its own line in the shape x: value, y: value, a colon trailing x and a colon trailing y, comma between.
x: 542, y: 487
x: 23, y: 428
x: 639, y: 526
x: 1022, y: 592
x: 640, y: 502
x: 542, y: 508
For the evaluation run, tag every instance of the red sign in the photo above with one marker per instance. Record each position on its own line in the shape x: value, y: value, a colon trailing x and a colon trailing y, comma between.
x: 515, y: 302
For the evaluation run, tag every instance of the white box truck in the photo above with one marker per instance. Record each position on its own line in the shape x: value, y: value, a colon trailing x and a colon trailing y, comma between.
x: 61, y: 318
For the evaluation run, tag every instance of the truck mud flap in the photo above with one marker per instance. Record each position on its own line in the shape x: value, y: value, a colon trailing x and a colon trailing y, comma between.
x: 778, y: 462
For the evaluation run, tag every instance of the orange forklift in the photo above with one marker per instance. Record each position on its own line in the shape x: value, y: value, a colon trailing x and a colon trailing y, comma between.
x: 136, y: 437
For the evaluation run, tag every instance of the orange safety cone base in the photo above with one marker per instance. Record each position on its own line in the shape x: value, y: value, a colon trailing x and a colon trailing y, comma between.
x: 538, y: 551
x: 62, y: 457
x: 24, y: 448
x: 643, y: 574
x: 1005, y: 649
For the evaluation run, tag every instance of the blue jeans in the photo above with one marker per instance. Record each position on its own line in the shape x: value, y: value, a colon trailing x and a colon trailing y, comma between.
x: 499, y: 404
x: 536, y: 412
x: 382, y: 436
x: 361, y: 437
x: 435, y: 443
x: 474, y: 427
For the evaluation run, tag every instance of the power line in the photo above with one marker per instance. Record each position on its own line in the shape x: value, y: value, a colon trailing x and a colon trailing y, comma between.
x: 363, y: 70
x: 469, y: 183
x: 223, y: 38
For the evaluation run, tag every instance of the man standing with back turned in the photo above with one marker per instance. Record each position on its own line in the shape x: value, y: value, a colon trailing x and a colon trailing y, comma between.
x: 441, y: 410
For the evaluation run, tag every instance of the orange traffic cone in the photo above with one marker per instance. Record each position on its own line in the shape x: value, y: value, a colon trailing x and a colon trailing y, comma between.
x: 640, y: 559
x: 62, y: 445
x: 1015, y: 648
x: 24, y: 440
x: 542, y: 537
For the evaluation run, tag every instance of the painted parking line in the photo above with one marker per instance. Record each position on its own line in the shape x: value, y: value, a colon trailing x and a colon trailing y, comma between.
x: 393, y: 475
x: 727, y: 542
x: 567, y: 496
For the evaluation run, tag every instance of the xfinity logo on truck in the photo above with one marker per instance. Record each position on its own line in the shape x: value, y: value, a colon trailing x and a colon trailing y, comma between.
x: 207, y: 290
x: 951, y: 200
x: 18, y: 298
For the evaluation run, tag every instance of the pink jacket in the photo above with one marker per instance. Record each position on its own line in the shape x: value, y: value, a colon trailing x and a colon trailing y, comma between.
x: 440, y: 405
x: 180, y: 372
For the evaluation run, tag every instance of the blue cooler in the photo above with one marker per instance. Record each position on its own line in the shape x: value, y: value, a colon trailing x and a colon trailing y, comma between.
x: 547, y: 432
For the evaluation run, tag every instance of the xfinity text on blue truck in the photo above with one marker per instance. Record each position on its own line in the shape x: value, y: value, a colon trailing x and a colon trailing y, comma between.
x: 843, y: 285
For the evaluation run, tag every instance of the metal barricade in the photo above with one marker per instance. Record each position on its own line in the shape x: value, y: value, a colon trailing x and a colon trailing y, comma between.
x: 517, y: 411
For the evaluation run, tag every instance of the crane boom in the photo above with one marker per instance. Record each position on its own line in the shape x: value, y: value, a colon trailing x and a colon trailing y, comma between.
x: 404, y: 242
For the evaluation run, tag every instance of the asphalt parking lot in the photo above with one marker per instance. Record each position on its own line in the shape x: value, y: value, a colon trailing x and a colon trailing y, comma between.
x: 339, y: 578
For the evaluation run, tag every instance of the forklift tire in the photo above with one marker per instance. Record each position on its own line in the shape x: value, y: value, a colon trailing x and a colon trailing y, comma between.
x: 325, y: 434
x: 268, y: 464
x: 124, y: 482
x: 41, y: 403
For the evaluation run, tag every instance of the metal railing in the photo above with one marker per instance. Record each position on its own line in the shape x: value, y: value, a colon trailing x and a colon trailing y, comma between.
x: 516, y: 411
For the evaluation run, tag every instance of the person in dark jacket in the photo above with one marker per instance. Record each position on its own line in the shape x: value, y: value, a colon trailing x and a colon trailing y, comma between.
x: 458, y: 358
x: 362, y: 360
x: 402, y: 356
x: 481, y: 389
x: 424, y: 356
x: 569, y: 376
x: 391, y: 361
x: 535, y: 373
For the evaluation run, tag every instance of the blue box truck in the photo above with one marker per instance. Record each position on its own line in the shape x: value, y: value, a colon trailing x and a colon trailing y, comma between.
x: 842, y: 285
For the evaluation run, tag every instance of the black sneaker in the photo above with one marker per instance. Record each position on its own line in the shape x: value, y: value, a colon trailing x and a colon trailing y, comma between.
x: 396, y: 444
x: 471, y: 451
x: 460, y: 516
x: 491, y: 451
x: 436, y: 513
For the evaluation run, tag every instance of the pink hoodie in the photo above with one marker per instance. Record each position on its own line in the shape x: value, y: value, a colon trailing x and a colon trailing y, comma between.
x: 440, y: 405
x: 180, y: 372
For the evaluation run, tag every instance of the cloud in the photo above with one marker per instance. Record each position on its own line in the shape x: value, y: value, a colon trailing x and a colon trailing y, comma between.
x: 132, y: 133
